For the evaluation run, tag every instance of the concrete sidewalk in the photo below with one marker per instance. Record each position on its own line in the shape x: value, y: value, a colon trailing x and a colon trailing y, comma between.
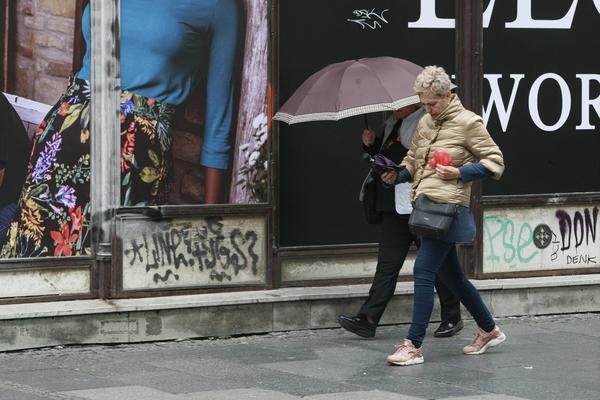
x: 555, y: 357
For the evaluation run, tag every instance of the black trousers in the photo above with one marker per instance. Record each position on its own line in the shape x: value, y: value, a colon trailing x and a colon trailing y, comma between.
x: 394, y: 244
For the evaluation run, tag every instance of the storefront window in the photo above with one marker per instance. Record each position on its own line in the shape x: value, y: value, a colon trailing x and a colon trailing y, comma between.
x: 194, y: 136
x: 193, y: 122
x: 209, y: 60
x: 44, y: 120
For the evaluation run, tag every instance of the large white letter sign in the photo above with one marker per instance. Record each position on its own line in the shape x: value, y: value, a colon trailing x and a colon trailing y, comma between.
x: 487, y: 14
x: 496, y: 99
x: 524, y: 19
x: 533, y: 102
x: 428, y: 19
x: 586, y: 102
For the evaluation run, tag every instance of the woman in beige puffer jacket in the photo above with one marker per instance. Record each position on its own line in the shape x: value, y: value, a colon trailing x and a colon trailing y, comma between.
x: 461, y: 133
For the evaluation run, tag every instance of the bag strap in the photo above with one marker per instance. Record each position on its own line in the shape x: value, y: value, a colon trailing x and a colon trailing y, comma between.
x: 434, y: 139
x: 431, y: 142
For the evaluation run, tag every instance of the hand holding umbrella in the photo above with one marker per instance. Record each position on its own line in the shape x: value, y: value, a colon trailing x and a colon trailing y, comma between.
x: 368, y: 137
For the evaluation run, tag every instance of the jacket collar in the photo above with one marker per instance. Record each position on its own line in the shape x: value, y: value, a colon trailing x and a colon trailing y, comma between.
x: 452, y: 110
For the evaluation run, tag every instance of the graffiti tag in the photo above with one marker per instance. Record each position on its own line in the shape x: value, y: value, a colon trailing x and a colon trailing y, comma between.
x: 570, y: 239
x: 204, y: 248
x: 516, y: 241
x: 575, y: 227
x: 369, y: 19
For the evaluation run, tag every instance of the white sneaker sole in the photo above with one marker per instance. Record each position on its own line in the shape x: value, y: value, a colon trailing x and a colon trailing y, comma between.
x: 491, y: 343
x: 412, y: 361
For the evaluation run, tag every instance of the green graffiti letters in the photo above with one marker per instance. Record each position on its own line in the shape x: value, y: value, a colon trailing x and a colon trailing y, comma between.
x: 502, y: 242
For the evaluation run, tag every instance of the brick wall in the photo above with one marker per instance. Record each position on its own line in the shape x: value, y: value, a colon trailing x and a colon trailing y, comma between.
x: 44, y: 45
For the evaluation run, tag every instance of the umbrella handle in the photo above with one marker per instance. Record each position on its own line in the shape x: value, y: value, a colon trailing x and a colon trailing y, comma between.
x: 366, y: 121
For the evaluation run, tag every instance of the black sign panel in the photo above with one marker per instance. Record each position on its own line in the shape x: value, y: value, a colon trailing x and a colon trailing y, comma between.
x: 542, y: 94
x: 320, y: 162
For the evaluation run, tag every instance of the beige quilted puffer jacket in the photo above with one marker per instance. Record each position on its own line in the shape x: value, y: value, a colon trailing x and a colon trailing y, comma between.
x: 462, y: 134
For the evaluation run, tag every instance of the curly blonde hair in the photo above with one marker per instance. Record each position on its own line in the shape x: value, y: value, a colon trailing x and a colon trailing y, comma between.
x: 432, y: 80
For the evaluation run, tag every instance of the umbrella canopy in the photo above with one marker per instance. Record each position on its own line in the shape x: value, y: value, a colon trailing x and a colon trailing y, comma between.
x: 352, y: 87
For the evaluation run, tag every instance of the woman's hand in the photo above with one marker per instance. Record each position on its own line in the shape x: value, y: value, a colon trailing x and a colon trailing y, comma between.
x: 447, y: 172
x: 368, y: 137
x: 389, y: 177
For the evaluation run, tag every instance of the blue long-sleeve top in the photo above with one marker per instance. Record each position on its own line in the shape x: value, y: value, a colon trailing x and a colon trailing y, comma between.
x: 474, y: 171
x: 165, y: 44
x: 468, y: 173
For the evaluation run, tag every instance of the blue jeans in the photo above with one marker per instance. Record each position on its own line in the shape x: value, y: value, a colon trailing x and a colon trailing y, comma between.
x: 439, y: 257
x: 463, y: 227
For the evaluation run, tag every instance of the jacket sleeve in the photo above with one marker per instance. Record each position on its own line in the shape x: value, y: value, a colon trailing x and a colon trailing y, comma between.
x: 409, y: 159
x: 403, y: 176
x: 479, y: 142
x: 471, y: 172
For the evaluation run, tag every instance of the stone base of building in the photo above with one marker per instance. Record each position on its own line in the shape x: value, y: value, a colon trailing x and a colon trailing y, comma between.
x: 24, y: 326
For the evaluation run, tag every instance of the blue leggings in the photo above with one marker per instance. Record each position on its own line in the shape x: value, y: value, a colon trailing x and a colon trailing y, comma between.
x: 439, y: 257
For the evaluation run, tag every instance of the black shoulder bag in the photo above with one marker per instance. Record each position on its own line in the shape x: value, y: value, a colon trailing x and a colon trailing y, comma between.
x: 431, y: 219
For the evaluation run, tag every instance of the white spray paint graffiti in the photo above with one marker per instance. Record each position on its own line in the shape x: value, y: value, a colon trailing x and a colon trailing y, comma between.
x: 369, y: 19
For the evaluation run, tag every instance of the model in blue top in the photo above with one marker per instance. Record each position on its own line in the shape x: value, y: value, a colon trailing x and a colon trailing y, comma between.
x: 164, y: 45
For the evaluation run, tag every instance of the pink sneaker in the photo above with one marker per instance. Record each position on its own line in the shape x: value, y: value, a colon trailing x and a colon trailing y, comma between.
x: 483, y: 340
x: 406, y: 354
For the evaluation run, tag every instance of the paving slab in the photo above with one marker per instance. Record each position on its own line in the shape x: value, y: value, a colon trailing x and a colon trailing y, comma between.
x: 362, y: 395
x: 57, y: 379
x: 124, y: 393
x: 237, y: 394
x: 486, y: 397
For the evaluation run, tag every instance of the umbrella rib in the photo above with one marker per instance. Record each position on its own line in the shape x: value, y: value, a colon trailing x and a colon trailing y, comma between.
x: 315, y: 84
x: 376, y: 76
x: 337, y: 101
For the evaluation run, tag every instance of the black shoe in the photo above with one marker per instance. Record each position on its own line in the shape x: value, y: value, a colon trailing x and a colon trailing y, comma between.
x: 447, y: 329
x: 358, y: 325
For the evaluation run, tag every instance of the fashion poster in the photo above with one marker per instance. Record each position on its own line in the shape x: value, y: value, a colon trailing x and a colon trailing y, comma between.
x: 193, y: 115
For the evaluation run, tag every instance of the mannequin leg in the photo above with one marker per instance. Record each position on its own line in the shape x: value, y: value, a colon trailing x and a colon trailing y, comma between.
x: 213, y: 183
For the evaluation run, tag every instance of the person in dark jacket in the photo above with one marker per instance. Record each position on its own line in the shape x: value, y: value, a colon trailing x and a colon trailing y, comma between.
x: 394, y: 207
x: 14, y: 154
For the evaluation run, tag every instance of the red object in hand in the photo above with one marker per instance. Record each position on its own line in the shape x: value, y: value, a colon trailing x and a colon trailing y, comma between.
x: 440, y: 157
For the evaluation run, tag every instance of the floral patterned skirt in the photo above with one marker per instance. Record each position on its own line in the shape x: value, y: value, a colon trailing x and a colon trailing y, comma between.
x: 53, y: 215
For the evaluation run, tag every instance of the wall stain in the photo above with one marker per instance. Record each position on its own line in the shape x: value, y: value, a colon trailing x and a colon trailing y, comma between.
x: 8, y: 334
x: 153, y: 324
